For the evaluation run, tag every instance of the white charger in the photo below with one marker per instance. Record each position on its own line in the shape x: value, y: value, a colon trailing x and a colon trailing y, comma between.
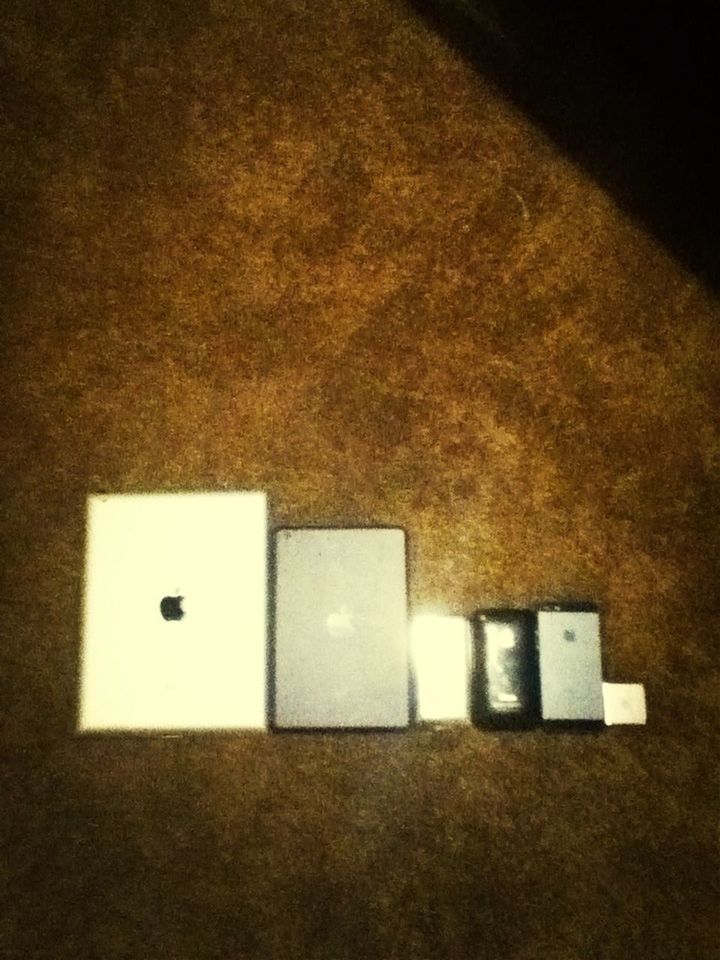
x: 624, y: 703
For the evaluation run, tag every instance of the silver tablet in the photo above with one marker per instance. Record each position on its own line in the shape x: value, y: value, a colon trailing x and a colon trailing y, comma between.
x: 341, y: 634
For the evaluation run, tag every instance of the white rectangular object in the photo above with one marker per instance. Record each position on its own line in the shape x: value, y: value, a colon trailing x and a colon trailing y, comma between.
x: 440, y: 647
x: 207, y: 670
x: 624, y: 703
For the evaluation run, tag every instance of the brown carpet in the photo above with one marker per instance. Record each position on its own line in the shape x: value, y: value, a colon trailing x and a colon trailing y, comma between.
x: 306, y: 248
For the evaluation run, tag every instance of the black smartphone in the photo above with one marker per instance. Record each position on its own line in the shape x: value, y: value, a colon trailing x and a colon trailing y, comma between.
x: 505, y: 674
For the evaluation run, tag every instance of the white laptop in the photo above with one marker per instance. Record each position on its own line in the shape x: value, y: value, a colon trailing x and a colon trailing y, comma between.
x: 175, y: 612
x: 341, y: 631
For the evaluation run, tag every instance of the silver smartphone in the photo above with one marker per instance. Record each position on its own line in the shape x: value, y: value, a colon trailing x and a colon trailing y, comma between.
x: 570, y: 659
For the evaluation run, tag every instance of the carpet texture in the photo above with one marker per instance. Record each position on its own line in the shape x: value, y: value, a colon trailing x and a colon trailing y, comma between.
x: 307, y: 248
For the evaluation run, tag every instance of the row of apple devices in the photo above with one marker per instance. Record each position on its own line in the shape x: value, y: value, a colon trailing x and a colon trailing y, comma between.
x: 190, y: 622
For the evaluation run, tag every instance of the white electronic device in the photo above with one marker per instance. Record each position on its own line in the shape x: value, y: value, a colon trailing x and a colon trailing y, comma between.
x: 174, y: 630
x: 624, y: 703
x: 441, y: 655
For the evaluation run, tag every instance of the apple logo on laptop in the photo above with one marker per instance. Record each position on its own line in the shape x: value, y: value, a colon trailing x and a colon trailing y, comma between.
x: 171, y: 608
x: 340, y: 624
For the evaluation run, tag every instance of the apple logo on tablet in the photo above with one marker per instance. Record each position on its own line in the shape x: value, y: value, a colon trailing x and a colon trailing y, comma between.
x: 171, y: 608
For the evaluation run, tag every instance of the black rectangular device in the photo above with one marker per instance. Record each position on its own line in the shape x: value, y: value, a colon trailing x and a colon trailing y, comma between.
x: 505, y: 680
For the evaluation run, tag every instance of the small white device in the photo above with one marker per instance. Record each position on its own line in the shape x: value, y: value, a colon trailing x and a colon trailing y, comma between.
x: 441, y: 654
x: 624, y: 703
